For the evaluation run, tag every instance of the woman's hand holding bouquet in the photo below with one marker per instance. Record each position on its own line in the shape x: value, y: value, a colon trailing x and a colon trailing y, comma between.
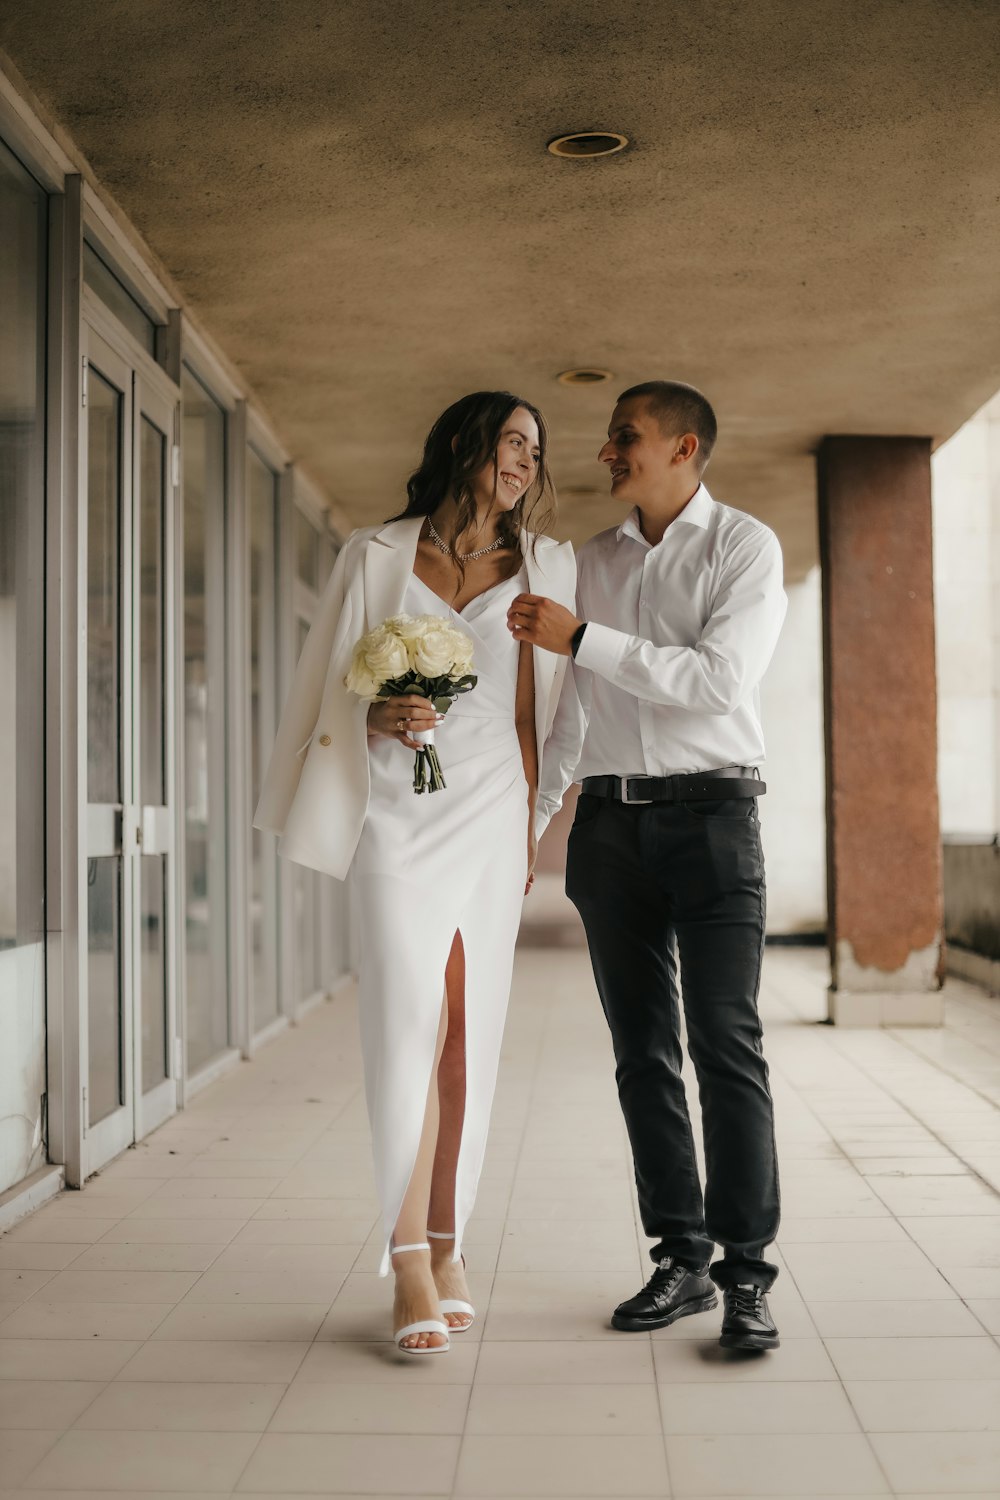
x: 416, y: 714
x: 411, y: 668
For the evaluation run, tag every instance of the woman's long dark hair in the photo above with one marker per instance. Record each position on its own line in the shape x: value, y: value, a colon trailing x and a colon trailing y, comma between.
x: 462, y: 441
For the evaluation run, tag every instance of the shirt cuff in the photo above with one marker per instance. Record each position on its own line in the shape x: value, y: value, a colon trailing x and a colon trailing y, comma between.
x: 602, y: 649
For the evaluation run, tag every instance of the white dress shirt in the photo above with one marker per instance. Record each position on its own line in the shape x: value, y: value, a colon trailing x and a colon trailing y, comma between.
x: 666, y: 678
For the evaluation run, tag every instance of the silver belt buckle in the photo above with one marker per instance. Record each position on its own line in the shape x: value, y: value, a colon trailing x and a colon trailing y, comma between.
x: 632, y: 801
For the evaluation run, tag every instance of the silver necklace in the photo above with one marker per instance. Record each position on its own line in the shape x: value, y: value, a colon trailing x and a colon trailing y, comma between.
x: 463, y: 556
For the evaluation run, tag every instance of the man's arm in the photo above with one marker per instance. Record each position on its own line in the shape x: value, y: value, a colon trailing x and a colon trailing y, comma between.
x: 561, y: 755
x: 714, y: 675
x: 722, y: 669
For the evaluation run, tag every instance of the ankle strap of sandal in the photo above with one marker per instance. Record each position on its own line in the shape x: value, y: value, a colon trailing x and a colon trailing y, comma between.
x: 402, y: 1249
x: 433, y: 1235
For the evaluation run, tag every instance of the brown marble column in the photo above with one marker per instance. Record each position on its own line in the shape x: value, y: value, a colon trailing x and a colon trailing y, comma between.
x: 883, y: 837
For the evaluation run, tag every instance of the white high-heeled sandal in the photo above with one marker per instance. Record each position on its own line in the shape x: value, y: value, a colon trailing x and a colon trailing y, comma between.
x: 455, y: 1304
x: 425, y: 1325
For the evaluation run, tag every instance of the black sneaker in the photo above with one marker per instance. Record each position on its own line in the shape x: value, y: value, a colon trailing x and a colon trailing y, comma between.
x: 747, y: 1321
x: 673, y: 1291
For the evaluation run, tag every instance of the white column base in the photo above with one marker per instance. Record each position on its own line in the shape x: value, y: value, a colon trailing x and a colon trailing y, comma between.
x: 872, y: 1008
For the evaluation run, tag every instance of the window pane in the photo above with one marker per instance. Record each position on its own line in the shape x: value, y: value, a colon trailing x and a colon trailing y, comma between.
x: 304, y: 894
x: 22, y: 519
x: 152, y: 605
x: 306, y: 550
x: 106, y: 1082
x: 104, y: 479
x: 23, y: 212
x: 263, y: 710
x: 153, y: 957
x: 306, y: 966
x: 206, y: 943
x: 118, y: 299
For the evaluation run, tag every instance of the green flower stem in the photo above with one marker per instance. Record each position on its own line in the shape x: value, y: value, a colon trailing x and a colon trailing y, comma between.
x: 427, y: 774
x: 437, y: 779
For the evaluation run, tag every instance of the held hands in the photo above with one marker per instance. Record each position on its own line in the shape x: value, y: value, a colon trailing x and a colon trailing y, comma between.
x: 542, y: 622
x: 532, y: 856
x: 399, y: 718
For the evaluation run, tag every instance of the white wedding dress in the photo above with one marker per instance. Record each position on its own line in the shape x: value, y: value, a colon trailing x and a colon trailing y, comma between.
x: 428, y: 866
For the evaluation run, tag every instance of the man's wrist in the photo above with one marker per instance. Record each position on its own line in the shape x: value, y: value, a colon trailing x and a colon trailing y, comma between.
x: 576, y: 638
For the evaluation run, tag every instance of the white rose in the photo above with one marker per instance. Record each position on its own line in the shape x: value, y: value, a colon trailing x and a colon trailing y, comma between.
x: 359, y: 680
x: 385, y: 655
x: 407, y: 627
x: 377, y: 657
x: 435, y: 651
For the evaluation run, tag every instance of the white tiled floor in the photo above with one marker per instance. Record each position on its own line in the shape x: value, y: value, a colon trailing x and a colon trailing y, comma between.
x: 205, y: 1317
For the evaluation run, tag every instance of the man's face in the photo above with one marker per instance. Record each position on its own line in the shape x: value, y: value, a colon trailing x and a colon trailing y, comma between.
x: 638, y: 453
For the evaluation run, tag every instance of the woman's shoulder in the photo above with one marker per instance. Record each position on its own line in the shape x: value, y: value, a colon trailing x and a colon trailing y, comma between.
x: 547, y: 545
x: 361, y: 535
x: 357, y: 541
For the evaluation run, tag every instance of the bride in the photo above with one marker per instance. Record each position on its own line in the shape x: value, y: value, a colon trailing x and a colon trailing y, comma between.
x: 439, y: 878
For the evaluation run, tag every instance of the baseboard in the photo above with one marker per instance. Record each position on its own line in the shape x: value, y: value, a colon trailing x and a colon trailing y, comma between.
x: 210, y: 1073
x: 976, y: 968
x: 24, y: 1197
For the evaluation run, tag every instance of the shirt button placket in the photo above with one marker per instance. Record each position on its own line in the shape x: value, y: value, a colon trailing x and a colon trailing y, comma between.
x: 646, y: 632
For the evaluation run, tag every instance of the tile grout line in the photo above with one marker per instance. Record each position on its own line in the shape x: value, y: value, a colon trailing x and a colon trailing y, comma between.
x: 351, y: 1098
x: 529, y: 1100
x: 807, y: 1105
x: 951, y: 1152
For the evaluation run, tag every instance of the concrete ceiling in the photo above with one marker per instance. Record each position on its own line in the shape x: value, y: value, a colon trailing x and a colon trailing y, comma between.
x: 358, y: 200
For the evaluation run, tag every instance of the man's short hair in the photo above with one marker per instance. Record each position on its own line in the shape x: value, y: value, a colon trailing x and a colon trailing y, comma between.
x: 679, y: 408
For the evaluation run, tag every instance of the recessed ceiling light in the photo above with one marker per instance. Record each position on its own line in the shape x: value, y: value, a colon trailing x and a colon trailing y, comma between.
x: 586, y: 375
x: 588, y: 143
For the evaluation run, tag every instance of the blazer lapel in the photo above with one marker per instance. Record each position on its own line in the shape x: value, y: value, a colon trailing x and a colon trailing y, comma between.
x: 545, y: 662
x: 389, y: 559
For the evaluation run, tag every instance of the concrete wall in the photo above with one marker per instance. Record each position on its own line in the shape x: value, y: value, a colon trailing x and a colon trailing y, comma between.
x: 972, y: 897
x: 22, y: 966
x: 966, y: 474
x: 966, y: 498
x: 792, y: 814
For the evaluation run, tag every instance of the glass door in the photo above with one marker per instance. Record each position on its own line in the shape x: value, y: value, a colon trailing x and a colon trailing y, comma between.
x: 153, y: 864
x: 127, y: 878
x: 208, y: 1033
x: 262, y: 494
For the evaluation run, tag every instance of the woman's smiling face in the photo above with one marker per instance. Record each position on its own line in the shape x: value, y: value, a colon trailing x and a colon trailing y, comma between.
x: 517, y: 456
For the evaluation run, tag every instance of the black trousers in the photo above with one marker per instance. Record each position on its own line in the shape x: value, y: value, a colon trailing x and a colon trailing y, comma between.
x: 644, y: 878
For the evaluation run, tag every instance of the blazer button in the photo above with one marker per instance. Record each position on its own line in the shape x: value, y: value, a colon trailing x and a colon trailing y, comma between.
x: 324, y: 739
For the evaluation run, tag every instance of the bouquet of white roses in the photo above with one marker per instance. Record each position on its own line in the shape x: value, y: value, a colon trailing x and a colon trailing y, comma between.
x: 415, y: 654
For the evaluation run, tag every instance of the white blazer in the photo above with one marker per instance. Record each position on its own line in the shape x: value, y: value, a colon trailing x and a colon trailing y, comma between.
x: 315, y: 793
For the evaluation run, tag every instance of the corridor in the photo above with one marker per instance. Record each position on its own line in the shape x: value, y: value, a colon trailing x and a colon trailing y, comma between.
x: 205, y: 1319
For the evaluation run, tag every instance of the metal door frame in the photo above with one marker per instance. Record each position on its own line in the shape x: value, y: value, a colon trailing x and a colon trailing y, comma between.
x: 146, y: 390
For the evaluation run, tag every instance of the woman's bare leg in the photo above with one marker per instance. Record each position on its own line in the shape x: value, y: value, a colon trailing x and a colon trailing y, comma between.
x: 416, y: 1295
x: 449, y: 1277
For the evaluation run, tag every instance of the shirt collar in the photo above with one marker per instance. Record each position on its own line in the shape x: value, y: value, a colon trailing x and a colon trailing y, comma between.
x: 697, y: 512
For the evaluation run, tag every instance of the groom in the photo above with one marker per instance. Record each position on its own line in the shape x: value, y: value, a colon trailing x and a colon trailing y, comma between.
x: 678, y: 612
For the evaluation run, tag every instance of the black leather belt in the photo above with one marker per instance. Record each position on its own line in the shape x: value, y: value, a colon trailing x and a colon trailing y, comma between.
x: 700, y: 786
